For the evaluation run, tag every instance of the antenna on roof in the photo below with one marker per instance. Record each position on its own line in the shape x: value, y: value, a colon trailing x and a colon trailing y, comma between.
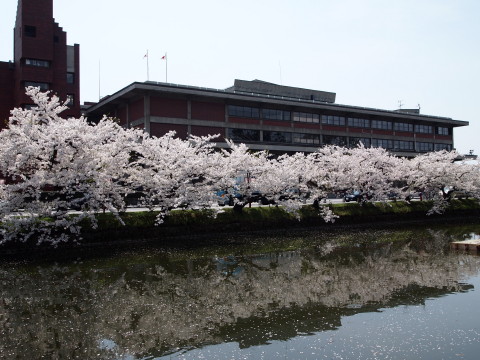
x: 280, y: 67
x: 400, y: 104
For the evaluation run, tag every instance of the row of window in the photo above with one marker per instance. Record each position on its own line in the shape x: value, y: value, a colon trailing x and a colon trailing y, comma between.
x: 243, y: 111
x: 37, y: 63
x: 306, y: 117
x: 42, y: 85
x: 271, y: 114
x: 252, y: 112
x: 443, y: 130
x: 356, y: 122
x: 424, y: 129
x: 397, y: 145
x: 46, y: 64
x: 249, y: 135
x: 405, y: 127
x: 439, y: 147
x: 381, y: 124
x: 333, y: 120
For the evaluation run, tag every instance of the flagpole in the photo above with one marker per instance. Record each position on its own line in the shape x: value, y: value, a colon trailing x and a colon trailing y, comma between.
x: 99, y: 79
x: 148, y: 70
x: 164, y: 57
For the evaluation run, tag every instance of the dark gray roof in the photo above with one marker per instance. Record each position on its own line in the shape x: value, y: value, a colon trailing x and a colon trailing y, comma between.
x: 265, y: 88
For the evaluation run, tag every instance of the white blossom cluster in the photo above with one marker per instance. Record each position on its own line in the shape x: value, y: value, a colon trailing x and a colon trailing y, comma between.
x: 51, y: 166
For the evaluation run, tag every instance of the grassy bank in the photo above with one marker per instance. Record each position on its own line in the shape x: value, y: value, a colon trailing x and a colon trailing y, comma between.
x: 191, y: 228
x: 188, y: 223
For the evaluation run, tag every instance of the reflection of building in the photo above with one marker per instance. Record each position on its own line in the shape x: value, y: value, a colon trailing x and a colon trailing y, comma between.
x: 274, y: 117
x: 41, y: 58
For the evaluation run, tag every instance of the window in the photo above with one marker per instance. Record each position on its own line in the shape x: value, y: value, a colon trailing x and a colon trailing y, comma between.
x: 38, y: 63
x: 333, y: 120
x: 70, y: 100
x: 272, y: 114
x: 312, y: 139
x: 41, y: 85
x: 242, y: 111
x: 306, y: 117
x: 70, y: 78
x: 354, y: 142
x: 424, y: 129
x: 277, y: 136
x: 424, y: 146
x: 355, y: 122
x: 334, y: 140
x: 30, y: 31
x: 383, y: 125
x: 439, y: 147
x: 443, y: 130
x: 403, y: 145
x: 403, y: 127
x: 383, y: 143
x: 243, y: 135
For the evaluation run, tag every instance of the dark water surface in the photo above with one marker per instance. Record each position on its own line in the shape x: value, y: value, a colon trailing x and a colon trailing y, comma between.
x: 379, y: 294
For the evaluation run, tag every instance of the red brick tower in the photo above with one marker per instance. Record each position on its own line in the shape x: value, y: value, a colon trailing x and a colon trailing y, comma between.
x: 41, y: 58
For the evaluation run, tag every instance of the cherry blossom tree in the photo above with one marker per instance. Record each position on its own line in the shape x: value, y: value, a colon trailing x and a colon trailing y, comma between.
x: 173, y: 173
x: 286, y: 181
x: 374, y: 172
x: 53, y: 165
x: 436, y: 175
x: 241, y: 174
x: 370, y: 171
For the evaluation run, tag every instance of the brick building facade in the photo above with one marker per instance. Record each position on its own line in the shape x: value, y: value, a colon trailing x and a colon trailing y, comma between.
x: 273, y: 117
x: 41, y: 58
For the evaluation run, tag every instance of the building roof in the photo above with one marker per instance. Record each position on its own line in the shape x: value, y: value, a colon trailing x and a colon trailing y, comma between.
x: 260, y: 87
x: 267, y: 93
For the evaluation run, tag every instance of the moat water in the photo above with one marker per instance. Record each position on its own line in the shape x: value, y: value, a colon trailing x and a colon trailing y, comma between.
x: 363, y: 294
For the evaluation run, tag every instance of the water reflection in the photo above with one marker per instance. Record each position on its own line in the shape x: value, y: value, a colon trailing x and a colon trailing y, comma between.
x: 148, y: 304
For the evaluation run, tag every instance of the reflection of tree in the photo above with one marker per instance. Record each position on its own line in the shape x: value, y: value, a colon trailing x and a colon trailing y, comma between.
x: 139, y: 308
x: 46, y: 313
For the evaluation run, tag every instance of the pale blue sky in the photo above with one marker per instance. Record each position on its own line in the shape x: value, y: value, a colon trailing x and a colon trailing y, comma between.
x: 371, y: 53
